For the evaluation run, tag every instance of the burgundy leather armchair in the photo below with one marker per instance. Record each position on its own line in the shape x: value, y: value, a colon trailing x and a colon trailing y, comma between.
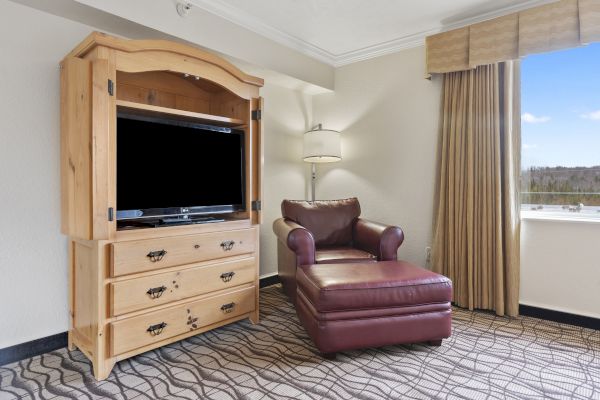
x: 327, y: 232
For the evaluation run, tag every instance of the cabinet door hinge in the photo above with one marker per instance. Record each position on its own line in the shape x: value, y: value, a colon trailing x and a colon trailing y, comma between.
x: 111, y: 214
x: 256, y: 205
x: 256, y: 115
x: 111, y: 87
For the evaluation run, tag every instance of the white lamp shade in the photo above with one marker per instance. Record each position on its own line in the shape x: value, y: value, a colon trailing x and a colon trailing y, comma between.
x: 322, y: 146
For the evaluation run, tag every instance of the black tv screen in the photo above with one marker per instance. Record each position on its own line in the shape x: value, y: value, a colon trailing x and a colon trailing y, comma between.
x: 168, y: 167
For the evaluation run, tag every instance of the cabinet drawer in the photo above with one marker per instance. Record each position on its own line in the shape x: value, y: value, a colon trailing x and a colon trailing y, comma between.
x: 146, y: 255
x: 143, y: 330
x: 139, y: 293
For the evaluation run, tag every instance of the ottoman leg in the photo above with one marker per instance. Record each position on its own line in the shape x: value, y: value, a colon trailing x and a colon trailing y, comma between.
x: 435, y: 342
x: 328, y: 356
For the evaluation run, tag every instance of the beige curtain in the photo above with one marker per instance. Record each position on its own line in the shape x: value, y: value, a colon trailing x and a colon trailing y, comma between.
x: 476, y: 234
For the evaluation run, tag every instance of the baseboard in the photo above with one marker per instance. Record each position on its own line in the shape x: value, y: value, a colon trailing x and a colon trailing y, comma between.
x: 50, y: 343
x: 559, y: 316
x: 35, y: 347
x: 269, y: 280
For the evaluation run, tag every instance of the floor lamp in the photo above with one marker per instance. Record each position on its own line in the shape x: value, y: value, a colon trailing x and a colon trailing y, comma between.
x: 321, y: 146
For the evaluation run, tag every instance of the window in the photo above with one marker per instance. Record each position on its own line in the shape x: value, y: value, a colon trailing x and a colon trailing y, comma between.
x: 561, y: 134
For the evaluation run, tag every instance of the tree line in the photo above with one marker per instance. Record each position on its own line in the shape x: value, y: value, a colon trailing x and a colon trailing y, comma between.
x: 561, y: 185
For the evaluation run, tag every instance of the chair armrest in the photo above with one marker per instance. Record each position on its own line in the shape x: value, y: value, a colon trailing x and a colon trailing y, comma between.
x: 297, y: 238
x: 378, y: 239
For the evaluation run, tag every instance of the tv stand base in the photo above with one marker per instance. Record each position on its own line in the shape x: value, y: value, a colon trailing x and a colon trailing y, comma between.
x: 164, y: 222
x: 185, y: 220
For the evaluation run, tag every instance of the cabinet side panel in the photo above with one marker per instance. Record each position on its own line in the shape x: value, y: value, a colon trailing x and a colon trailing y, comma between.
x: 84, y: 291
x: 76, y: 122
x: 255, y: 317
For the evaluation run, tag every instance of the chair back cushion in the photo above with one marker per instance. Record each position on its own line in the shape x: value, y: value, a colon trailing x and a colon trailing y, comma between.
x: 330, y: 221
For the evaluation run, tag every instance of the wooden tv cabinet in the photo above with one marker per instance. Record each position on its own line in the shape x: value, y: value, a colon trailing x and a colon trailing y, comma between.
x: 136, y: 289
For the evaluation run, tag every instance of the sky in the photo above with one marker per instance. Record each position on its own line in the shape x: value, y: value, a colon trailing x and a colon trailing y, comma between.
x: 561, y: 108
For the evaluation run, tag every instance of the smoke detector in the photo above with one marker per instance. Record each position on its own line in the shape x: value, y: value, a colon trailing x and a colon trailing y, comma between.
x: 183, y: 9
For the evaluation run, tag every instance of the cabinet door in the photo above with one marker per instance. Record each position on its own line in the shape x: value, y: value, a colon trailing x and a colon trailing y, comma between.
x: 257, y: 160
x: 76, y: 140
x: 85, y: 148
x: 103, y: 150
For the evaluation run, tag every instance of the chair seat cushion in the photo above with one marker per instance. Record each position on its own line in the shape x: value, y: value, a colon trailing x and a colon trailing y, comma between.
x: 342, y: 254
x: 363, y: 286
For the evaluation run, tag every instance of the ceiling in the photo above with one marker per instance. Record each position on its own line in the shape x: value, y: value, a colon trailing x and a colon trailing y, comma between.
x: 340, y: 32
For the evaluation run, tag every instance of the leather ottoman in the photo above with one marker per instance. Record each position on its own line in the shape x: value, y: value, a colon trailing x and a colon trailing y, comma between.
x: 359, y: 305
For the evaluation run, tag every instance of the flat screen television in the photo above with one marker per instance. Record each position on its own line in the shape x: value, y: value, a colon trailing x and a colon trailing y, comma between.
x: 171, y: 168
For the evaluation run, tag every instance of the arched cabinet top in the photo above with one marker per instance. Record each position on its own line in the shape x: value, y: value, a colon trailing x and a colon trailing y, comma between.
x: 178, y: 55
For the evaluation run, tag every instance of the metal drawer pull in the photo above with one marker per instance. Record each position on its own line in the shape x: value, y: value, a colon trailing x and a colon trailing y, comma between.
x: 227, y: 245
x: 227, y: 308
x: 227, y: 276
x: 156, y: 292
x: 157, y: 329
x: 157, y: 255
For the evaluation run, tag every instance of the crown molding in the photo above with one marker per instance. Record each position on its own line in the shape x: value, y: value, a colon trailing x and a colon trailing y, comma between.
x: 232, y: 14
x: 381, y: 49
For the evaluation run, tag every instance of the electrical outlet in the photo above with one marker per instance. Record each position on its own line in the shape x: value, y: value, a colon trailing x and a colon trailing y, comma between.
x: 427, y: 255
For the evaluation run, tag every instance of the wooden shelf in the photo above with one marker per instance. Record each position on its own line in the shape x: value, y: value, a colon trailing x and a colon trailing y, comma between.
x: 146, y: 109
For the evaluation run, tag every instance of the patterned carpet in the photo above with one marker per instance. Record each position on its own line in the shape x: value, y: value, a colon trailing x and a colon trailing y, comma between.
x: 487, y: 357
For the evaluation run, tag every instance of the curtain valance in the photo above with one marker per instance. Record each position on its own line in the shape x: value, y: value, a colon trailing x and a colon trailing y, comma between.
x: 554, y: 26
x: 589, y: 19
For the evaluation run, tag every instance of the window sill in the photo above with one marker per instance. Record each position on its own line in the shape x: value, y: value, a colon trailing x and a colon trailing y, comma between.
x: 541, y: 216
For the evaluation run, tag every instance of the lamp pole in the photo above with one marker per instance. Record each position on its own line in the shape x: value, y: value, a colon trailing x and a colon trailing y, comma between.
x: 313, y: 179
x: 313, y: 168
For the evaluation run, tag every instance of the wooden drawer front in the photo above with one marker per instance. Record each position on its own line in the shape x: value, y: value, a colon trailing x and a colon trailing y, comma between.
x: 139, y: 293
x: 146, y: 255
x: 135, y: 332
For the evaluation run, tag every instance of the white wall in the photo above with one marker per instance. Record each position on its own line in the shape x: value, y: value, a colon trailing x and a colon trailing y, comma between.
x: 388, y: 115
x: 287, y: 117
x: 560, y: 266
x: 33, y: 253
